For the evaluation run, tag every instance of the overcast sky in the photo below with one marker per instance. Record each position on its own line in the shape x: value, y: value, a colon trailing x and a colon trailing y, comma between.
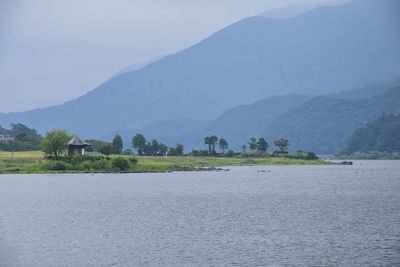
x: 55, y: 50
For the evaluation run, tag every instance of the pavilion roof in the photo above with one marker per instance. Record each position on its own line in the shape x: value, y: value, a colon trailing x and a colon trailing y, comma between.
x: 76, y: 141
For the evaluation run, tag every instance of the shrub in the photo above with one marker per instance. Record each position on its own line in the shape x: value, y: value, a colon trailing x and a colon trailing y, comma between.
x: 55, y: 166
x: 253, y: 155
x: 100, y: 165
x: 106, y: 150
x: 133, y: 160
x: 75, y: 160
x: 120, y: 164
x: 127, y: 152
x: 199, y: 153
x: 230, y: 154
x: 305, y: 155
x: 280, y: 153
x: 310, y: 156
x: 86, y: 166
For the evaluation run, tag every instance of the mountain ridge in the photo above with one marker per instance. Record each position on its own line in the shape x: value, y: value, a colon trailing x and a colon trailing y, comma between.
x: 325, y: 131
x: 319, y: 124
x: 325, y: 50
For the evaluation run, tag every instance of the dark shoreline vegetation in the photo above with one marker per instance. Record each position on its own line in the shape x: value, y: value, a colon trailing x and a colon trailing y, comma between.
x: 371, y: 155
x: 35, y: 162
x: 377, y: 139
x: 371, y: 141
x: 64, y: 153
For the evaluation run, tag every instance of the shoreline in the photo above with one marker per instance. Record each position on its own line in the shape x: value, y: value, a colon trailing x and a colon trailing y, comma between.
x: 179, y: 169
x: 35, y: 163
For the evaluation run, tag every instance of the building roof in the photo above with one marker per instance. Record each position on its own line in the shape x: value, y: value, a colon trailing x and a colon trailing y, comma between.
x: 76, y: 141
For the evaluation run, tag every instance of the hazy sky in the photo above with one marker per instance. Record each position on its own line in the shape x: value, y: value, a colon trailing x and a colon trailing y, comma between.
x: 55, y: 50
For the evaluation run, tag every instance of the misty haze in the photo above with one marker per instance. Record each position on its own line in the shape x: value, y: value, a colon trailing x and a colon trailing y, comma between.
x: 200, y: 133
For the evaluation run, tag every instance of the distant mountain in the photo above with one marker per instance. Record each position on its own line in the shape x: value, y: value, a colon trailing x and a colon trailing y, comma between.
x: 324, y: 123
x: 325, y: 50
x: 237, y: 125
x: 241, y: 123
x: 379, y: 135
x: 297, y: 10
x: 184, y: 131
x: 368, y: 89
x: 319, y: 124
x: 137, y: 66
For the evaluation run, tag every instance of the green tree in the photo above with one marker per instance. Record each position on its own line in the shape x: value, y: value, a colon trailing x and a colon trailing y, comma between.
x: 154, y: 147
x: 172, y: 151
x: 282, y: 144
x: 120, y: 164
x: 117, y: 145
x: 148, y: 149
x: 244, y: 148
x: 262, y: 145
x: 179, y: 149
x: 379, y: 135
x: 127, y: 152
x: 106, y: 150
x: 162, y: 150
x: 19, y: 128
x: 223, y: 145
x: 55, y: 143
x: 25, y: 139
x: 230, y: 153
x: 253, y: 144
x: 139, y: 143
x: 210, y: 141
x: 96, y: 145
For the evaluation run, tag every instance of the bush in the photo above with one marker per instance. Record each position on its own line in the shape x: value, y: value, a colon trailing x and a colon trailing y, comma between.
x: 75, y: 160
x: 100, y: 165
x: 305, y: 155
x: 106, y: 150
x: 257, y: 154
x: 310, y: 156
x: 133, y: 160
x: 120, y: 164
x: 56, y: 166
x: 230, y: 154
x: 277, y: 153
x: 127, y: 152
x: 199, y: 153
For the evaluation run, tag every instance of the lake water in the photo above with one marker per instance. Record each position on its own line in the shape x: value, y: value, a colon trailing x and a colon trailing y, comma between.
x: 293, y: 215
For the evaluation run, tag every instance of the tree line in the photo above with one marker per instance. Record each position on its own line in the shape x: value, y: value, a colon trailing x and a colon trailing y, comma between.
x: 24, y: 139
x: 55, y: 142
x: 155, y: 148
x: 144, y: 147
x: 139, y: 143
x: 254, y: 145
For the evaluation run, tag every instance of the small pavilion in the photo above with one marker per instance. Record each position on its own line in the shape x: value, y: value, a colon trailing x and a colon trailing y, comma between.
x: 76, y: 147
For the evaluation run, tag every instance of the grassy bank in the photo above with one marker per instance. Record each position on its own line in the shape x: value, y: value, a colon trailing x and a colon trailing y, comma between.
x: 34, y: 162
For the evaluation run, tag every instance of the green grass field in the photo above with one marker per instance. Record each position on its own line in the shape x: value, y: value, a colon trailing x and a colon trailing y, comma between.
x: 33, y: 161
x: 21, y: 155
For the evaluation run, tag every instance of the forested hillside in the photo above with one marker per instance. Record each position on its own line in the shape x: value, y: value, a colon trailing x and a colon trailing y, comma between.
x: 323, y: 123
x: 319, y: 124
x: 379, y: 135
x: 326, y: 50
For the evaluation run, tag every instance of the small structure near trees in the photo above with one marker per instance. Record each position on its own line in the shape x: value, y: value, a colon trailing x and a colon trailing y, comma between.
x: 76, y: 147
x: 5, y: 135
